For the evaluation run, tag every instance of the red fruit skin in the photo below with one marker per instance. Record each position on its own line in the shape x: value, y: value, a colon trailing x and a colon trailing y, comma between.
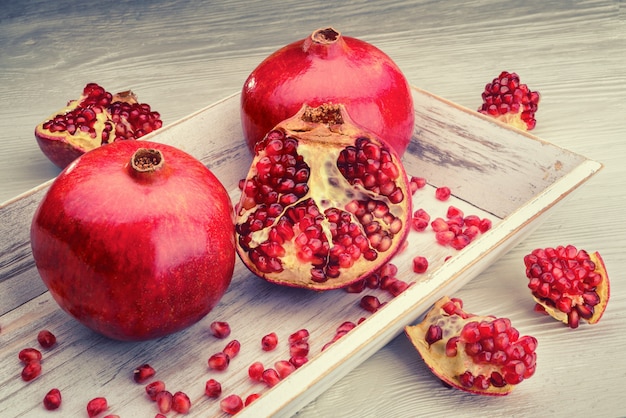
x: 347, y: 70
x: 135, y: 257
x: 58, y: 151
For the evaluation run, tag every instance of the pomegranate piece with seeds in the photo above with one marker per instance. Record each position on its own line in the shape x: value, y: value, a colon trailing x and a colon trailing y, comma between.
x: 510, y: 101
x: 325, y: 203
x: 568, y: 284
x: 479, y: 354
x: 96, y: 118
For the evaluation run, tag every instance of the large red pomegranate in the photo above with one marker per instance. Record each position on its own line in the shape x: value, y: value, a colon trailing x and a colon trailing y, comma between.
x: 483, y: 354
x: 324, y: 204
x: 96, y: 118
x: 328, y: 67
x: 135, y: 240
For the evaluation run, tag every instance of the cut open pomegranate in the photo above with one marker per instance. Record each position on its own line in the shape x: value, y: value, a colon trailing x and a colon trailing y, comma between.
x: 96, y: 118
x: 478, y: 354
x: 568, y: 284
x: 325, y: 203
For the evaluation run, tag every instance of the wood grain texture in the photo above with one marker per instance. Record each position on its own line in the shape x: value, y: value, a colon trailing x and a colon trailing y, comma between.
x: 183, y: 55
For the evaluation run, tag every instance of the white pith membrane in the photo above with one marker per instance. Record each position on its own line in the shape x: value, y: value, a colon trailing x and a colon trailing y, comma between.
x: 329, y: 189
x: 450, y: 368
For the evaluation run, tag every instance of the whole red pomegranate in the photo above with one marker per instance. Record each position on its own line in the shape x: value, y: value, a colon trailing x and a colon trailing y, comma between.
x: 327, y: 67
x: 96, y: 118
x: 135, y: 240
x: 324, y: 204
x: 484, y: 355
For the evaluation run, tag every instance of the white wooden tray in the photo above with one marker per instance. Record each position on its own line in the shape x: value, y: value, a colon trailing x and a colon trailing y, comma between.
x: 494, y: 171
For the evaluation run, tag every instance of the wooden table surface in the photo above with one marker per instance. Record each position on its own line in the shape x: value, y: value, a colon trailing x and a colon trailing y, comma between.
x: 181, y: 56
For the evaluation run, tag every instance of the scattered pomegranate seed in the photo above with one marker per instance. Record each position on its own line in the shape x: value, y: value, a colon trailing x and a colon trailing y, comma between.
x: 26, y: 355
x: 219, y: 361
x: 298, y: 361
x: 231, y: 404
x: 52, y: 400
x: 300, y: 335
x: 255, y: 371
x: 181, y: 403
x: 269, y: 342
x: 251, y: 398
x: 96, y: 406
x: 164, y: 401
x: 417, y: 183
x: 220, y: 329
x: 46, y: 339
x: 152, y: 389
x: 420, y: 264
x: 420, y: 220
x: 232, y: 349
x: 299, y: 349
x: 370, y: 303
x: 397, y: 287
x: 284, y: 368
x: 442, y: 193
x: 270, y: 377
x: 143, y: 373
x: 212, y: 388
x: 31, y: 371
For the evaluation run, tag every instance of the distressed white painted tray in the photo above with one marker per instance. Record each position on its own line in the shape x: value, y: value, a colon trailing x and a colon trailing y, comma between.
x: 494, y: 171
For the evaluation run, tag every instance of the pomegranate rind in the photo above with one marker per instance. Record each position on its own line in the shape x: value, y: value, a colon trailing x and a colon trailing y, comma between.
x: 603, y: 290
x: 445, y: 367
x: 321, y: 151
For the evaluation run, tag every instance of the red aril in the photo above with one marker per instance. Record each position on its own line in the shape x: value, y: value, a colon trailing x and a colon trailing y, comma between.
x: 96, y: 406
x: 46, y: 339
x: 325, y: 203
x: 219, y: 361
x: 478, y: 354
x: 164, y: 401
x: 153, y: 389
x: 220, y: 329
x: 26, y: 355
x: 269, y: 341
x: 96, y: 118
x: 143, y: 373
x: 212, y: 388
x: 52, y: 400
x: 181, y: 403
x: 328, y: 67
x: 135, y: 240
x: 231, y: 404
x: 31, y: 370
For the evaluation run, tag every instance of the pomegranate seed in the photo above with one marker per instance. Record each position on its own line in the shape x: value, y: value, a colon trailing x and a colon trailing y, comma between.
x: 299, y: 349
x: 219, y: 361
x: 284, y: 368
x: 397, y: 287
x: 96, y: 406
x: 417, y: 183
x: 143, y: 373
x: 270, y: 377
x: 442, y: 193
x: 220, y: 329
x: 420, y: 264
x: 434, y: 334
x: 31, y: 371
x: 231, y: 404
x: 26, y: 355
x: 46, y: 339
x: 232, y: 348
x: 251, y: 398
x: 255, y: 371
x: 370, y: 303
x: 484, y: 225
x: 212, y: 388
x: 164, y: 401
x: 52, y: 400
x: 152, y: 389
x: 300, y: 335
x: 298, y: 361
x: 269, y: 342
x: 439, y: 225
x: 181, y: 403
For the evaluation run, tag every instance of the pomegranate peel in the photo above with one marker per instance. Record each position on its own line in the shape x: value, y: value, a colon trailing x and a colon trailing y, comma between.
x: 96, y: 118
x: 478, y: 354
x: 510, y: 101
x: 325, y: 202
x: 568, y: 284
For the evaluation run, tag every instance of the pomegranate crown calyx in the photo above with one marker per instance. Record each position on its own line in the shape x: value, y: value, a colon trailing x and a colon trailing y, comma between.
x: 147, y: 160
x: 326, y: 113
x: 325, y: 43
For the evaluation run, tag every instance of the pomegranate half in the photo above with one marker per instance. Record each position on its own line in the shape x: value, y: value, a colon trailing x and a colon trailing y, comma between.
x: 135, y: 240
x: 324, y: 204
x: 327, y: 67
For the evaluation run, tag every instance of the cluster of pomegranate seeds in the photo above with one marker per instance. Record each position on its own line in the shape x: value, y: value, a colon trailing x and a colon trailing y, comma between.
x: 341, y: 330
x: 31, y: 357
x: 416, y: 183
x: 507, y: 99
x: 457, y: 230
x: 569, y: 284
